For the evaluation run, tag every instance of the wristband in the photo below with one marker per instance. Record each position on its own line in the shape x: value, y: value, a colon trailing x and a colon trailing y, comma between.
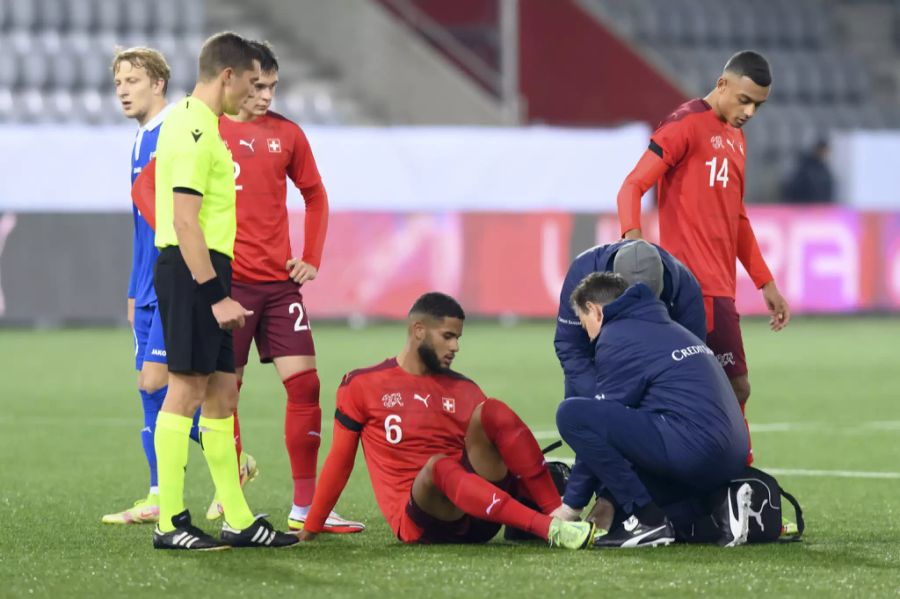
x: 212, y: 291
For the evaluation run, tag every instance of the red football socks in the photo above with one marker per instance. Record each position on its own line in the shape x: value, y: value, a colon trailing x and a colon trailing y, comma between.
x: 520, y: 452
x: 302, y: 432
x: 480, y: 499
x: 238, y: 446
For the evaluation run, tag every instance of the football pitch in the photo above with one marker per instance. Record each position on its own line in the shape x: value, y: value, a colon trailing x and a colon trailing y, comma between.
x: 825, y: 410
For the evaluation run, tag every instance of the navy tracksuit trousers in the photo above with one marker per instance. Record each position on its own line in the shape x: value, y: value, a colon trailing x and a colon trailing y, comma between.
x: 641, y: 456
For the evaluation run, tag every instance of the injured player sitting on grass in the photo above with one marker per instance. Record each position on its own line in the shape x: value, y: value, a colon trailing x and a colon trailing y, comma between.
x: 445, y: 461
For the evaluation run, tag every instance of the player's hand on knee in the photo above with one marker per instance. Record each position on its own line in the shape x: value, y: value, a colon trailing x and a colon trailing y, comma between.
x: 301, y: 272
x: 230, y: 314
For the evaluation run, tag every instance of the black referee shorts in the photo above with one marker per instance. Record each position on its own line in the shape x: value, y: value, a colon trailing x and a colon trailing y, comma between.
x: 194, y: 341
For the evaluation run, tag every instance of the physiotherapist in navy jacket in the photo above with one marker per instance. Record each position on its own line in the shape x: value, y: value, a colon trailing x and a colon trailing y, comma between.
x: 661, y: 409
x: 638, y: 262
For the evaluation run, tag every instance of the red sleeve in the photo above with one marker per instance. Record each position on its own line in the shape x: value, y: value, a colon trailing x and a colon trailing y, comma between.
x: 143, y: 193
x: 334, y: 476
x: 749, y: 254
x: 304, y: 172
x: 348, y: 424
x: 315, y: 223
x: 672, y: 140
x: 647, y: 172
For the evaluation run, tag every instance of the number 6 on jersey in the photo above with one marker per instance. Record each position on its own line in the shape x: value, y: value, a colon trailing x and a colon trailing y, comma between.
x: 392, y: 431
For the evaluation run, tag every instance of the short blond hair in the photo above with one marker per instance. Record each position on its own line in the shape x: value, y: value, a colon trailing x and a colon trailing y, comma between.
x: 149, y: 59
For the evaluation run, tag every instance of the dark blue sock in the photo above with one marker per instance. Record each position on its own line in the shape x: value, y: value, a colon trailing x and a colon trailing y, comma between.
x: 152, y: 403
x: 195, y: 427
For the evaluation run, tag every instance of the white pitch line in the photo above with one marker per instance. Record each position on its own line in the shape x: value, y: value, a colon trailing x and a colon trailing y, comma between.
x: 803, y: 472
x: 832, y: 473
x: 882, y: 426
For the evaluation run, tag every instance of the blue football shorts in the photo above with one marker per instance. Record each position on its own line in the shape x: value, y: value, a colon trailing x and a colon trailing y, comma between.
x: 149, y: 345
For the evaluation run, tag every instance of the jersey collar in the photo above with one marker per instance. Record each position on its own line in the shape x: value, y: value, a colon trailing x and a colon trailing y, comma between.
x: 158, y: 119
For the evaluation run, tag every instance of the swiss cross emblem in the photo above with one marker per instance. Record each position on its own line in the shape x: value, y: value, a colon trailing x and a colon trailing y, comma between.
x: 274, y: 145
x: 449, y: 404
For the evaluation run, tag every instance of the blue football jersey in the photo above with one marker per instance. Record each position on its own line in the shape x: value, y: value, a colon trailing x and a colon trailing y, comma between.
x: 144, y: 254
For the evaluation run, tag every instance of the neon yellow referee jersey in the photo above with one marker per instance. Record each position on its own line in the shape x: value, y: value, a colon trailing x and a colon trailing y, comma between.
x: 191, y: 155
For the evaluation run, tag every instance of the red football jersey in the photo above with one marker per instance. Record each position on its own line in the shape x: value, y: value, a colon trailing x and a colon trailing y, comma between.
x: 267, y: 151
x: 702, y: 219
x: 403, y: 420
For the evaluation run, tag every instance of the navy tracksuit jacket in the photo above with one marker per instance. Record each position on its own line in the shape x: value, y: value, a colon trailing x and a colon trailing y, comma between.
x: 681, y: 295
x: 661, y: 406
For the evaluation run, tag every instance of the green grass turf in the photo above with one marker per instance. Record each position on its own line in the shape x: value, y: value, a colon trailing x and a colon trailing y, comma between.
x: 71, y: 452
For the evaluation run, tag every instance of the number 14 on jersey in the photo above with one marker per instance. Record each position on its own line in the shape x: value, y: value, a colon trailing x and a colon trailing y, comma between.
x: 721, y: 174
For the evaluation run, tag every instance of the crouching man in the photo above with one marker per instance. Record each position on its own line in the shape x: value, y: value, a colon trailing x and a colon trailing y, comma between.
x: 663, y: 429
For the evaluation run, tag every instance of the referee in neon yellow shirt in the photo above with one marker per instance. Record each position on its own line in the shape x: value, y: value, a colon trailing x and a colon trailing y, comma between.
x: 195, y: 230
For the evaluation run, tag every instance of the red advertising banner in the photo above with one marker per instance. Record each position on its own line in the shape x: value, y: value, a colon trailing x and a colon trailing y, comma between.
x: 825, y: 260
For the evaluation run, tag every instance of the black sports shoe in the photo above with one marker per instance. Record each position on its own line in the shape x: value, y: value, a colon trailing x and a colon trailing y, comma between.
x: 634, y: 533
x: 186, y: 536
x: 732, y: 514
x: 259, y: 534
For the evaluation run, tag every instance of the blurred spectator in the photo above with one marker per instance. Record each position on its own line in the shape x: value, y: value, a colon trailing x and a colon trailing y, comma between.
x: 811, y: 180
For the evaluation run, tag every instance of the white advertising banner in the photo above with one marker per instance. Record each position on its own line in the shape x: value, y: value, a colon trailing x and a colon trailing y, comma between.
x: 406, y: 169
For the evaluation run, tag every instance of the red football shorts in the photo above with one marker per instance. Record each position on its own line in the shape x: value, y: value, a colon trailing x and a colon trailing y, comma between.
x: 724, y: 337
x: 279, y: 325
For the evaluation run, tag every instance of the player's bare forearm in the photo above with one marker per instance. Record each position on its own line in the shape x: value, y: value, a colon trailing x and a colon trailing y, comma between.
x: 190, y: 236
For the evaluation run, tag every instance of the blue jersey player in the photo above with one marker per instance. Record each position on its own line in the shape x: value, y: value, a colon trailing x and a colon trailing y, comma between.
x: 141, y: 76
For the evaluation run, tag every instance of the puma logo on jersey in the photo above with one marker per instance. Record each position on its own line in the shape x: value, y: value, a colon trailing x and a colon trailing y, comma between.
x: 731, y: 144
x: 495, y: 500
x: 248, y: 144
x: 424, y: 400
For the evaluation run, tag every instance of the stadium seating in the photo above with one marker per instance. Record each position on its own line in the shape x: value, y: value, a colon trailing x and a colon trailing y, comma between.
x: 55, y: 60
x: 819, y: 86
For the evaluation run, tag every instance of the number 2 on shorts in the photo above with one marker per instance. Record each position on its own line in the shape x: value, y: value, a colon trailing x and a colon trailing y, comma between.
x: 298, y: 307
